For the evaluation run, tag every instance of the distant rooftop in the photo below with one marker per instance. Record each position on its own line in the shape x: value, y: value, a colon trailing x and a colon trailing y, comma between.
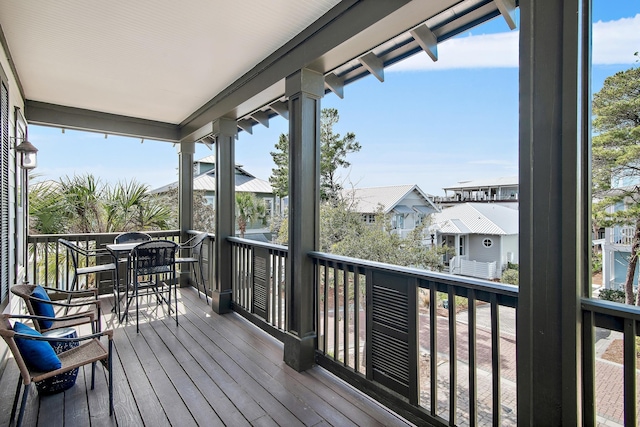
x: 369, y: 199
x: 477, y: 218
x: 506, y: 181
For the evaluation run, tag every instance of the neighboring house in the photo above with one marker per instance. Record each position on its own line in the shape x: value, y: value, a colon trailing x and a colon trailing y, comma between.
x: 484, y: 237
x: 502, y: 190
x: 616, y: 245
x: 408, y: 205
x: 205, y: 180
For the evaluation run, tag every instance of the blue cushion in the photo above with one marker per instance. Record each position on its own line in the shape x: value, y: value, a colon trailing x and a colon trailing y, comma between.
x: 41, y: 308
x: 38, y: 355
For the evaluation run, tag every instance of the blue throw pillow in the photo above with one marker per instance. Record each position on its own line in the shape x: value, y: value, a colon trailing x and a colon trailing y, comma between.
x: 41, y: 308
x: 38, y: 355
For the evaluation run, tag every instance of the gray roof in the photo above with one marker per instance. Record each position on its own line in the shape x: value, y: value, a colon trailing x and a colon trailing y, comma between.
x: 245, y: 183
x: 505, y: 181
x: 477, y: 218
x: 369, y: 199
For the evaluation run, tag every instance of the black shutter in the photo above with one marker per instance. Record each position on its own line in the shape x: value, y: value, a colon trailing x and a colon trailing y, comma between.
x: 4, y: 194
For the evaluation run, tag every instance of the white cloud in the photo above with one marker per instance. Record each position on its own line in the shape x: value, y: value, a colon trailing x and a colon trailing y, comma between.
x: 614, y: 42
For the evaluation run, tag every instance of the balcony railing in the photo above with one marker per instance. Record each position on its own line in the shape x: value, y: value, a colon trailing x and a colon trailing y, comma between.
x: 259, y: 280
x: 435, y: 348
x: 51, y: 266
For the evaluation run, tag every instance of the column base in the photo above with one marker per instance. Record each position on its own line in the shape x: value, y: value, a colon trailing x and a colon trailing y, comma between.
x: 221, y: 302
x: 299, y: 353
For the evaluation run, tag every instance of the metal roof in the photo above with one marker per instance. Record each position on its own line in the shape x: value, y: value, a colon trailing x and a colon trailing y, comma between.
x: 506, y: 181
x: 477, y: 218
x: 245, y: 183
x: 368, y: 200
x: 167, y: 70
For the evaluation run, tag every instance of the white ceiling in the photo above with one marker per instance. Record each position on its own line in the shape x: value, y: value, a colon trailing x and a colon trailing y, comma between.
x: 158, y: 60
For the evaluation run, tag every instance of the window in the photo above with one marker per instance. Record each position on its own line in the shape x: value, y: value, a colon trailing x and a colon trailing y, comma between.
x: 268, y: 203
x: 369, y: 218
x: 462, y: 245
x: 487, y: 243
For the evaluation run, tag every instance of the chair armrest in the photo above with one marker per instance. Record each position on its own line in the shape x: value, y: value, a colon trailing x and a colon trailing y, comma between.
x: 53, y: 319
x: 108, y: 333
x: 95, y: 302
x: 93, y: 291
x: 186, y: 245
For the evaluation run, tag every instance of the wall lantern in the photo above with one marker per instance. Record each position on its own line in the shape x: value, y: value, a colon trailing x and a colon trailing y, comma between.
x: 28, y: 154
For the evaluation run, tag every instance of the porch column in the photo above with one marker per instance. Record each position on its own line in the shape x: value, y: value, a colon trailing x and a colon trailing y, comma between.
x: 224, y: 131
x: 304, y: 90
x: 185, y: 197
x: 554, y: 208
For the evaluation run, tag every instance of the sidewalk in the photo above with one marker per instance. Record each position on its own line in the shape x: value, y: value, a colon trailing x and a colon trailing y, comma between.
x: 609, y: 375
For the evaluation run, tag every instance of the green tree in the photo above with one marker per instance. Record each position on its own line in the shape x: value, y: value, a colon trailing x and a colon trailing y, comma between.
x: 82, y: 204
x: 333, y: 156
x: 616, y: 159
x: 279, y: 178
x: 343, y: 232
x: 333, y: 153
x: 249, y: 209
x: 83, y: 194
x: 48, y: 210
x: 204, y: 214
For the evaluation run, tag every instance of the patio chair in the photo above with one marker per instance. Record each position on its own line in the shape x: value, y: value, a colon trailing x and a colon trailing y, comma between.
x: 38, y: 303
x: 123, y: 258
x: 37, y: 360
x: 132, y: 236
x: 194, y: 245
x: 75, y: 251
x: 153, y: 272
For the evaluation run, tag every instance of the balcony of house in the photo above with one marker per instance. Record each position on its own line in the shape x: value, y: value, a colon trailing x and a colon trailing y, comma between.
x: 430, y: 348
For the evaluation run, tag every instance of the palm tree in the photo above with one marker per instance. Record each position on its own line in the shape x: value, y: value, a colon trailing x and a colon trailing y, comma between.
x: 249, y: 209
x: 84, y: 194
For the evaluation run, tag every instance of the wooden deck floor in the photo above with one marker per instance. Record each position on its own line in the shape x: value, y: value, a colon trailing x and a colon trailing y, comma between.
x: 210, y: 370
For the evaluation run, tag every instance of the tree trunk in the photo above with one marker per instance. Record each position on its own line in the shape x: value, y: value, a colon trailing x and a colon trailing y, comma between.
x: 631, y: 269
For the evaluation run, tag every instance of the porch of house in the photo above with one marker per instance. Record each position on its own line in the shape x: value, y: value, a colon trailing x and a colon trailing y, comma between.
x: 210, y: 370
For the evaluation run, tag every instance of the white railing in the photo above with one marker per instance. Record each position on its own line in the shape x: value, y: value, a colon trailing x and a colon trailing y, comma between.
x: 622, y: 235
x: 482, y: 270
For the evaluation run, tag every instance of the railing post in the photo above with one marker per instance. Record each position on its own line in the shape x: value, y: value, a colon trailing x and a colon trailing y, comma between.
x: 224, y: 131
x: 554, y: 209
x: 304, y: 89
x: 185, y: 197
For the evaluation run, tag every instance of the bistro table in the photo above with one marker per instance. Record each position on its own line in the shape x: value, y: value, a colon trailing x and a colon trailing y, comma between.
x: 120, y: 250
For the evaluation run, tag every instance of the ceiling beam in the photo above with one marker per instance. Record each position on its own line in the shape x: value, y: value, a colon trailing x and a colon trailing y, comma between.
x: 42, y: 113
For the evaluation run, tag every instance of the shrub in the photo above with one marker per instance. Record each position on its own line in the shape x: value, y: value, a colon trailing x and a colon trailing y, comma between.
x: 511, y: 276
x: 615, y: 295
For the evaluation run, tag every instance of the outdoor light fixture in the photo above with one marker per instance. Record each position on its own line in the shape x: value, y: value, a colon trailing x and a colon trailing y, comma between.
x: 28, y: 157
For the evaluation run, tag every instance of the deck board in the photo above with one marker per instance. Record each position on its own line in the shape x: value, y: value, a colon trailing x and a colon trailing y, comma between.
x: 209, y: 370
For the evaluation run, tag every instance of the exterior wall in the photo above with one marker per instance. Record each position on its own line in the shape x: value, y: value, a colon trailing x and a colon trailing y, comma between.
x: 510, y: 245
x: 409, y: 221
x: 15, y: 235
x: 620, y: 264
x: 478, y: 252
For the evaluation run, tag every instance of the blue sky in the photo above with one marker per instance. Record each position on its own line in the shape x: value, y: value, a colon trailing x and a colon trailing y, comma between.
x: 431, y: 124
